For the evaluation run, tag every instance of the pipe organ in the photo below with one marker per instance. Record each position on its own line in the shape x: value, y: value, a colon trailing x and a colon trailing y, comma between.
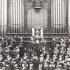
x: 15, y: 16
x: 3, y: 16
x: 59, y: 16
x: 20, y: 16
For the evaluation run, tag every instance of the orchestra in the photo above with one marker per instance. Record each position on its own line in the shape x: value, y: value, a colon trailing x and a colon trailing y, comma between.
x: 17, y: 54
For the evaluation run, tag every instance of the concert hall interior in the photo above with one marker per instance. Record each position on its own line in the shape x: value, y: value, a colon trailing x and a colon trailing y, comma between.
x: 34, y: 34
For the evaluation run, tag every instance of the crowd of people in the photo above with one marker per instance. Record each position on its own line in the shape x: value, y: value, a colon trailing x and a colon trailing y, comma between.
x: 18, y: 54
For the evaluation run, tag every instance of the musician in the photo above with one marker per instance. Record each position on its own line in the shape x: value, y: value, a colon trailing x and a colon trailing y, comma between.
x: 46, y: 62
x: 3, y: 43
x: 25, y: 62
x: 22, y: 50
x: 57, y: 51
x: 35, y: 62
x: 63, y: 47
x: 0, y: 48
x: 9, y: 58
x: 9, y: 40
x: 17, y: 38
x: 41, y: 62
x: 1, y: 58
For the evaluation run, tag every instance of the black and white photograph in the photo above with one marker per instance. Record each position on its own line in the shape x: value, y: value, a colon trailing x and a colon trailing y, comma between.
x: 34, y: 34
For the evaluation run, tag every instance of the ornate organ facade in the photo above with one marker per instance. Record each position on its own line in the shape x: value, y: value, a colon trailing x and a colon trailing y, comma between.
x: 20, y: 16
